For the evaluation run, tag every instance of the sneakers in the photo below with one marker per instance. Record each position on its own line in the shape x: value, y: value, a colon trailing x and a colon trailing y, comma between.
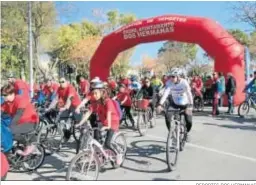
x: 28, y: 150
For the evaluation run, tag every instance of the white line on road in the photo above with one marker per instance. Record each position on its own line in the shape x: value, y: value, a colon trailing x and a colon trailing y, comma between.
x: 212, y: 150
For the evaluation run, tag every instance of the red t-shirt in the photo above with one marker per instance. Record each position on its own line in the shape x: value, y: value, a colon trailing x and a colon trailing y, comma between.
x: 102, y: 110
x: 63, y: 94
x: 52, y: 89
x: 29, y: 115
x: 84, y: 87
x: 112, y: 85
x: 126, y: 82
x: 121, y: 97
x: 21, y: 85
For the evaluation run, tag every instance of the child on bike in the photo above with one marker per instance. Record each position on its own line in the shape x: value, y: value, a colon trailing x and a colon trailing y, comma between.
x: 22, y: 112
x: 107, y: 113
x: 125, y: 100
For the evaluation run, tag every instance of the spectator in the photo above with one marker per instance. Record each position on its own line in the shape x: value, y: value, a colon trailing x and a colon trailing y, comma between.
x: 222, y: 88
x: 216, y: 94
x: 208, y: 88
x: 230, y: 91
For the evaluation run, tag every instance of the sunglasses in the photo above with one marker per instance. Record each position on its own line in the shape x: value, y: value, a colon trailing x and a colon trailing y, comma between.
x: 173, y: 76
x: 147, y: 81
x: 4, y: 95
x: 62, y: 82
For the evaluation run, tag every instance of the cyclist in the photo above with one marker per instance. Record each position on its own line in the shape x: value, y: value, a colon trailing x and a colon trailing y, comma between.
x: 112, y: 85
x: 181, y: 97
x: 84, y: 85
x: 107, y: 113
x: 135, y: 86
x: 68, y: 100
x: 252, y: 85
x: 126, y: 102
x: 50, y: 89
x: 156, y: 83
x: 125, y: 80
x: 21, y: 87
x: 147, y: 92
x: 22, y: 112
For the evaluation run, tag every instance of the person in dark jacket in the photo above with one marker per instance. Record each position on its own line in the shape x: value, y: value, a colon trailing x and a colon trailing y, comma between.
x: 230, y: 91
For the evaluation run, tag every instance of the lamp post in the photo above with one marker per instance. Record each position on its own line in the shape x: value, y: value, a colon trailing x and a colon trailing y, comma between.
x: 31, y: 82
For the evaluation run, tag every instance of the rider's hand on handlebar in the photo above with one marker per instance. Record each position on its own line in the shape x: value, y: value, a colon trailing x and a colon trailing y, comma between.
x: 77, y: 111
x: 104, y: 128
x: 159, y: 109
x: 62, y: 109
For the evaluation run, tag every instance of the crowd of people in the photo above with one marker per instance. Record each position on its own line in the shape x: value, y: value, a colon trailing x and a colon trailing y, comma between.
x: 104, y: 98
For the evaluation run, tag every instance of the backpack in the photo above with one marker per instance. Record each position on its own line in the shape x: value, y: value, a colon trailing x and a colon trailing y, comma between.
x: 118, y: 109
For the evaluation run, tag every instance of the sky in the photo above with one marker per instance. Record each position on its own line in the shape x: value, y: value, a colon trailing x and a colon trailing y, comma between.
x: 217, y: 10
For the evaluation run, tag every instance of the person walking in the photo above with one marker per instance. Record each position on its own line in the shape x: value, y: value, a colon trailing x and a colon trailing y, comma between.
x: 230, y: 91
x: 216, y: 94
x: 222, y: 88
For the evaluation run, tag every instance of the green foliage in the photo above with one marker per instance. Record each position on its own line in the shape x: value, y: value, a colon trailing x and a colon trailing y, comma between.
x: 240, y: 36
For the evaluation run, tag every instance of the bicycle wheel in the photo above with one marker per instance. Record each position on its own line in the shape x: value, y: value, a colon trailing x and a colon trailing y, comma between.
x: 81, y: 165
x: 244, y: 109
x: 172, y: 150
x: 35, y: 159
x: 183, y: 133
x: 120, y: 146
x: 142, y: 123
x: 51, y: 139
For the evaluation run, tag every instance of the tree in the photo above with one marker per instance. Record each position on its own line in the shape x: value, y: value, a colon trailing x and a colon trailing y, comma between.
x: 245, y: 12
x: 176, y: 54
x: 240, y: 36
x: 14, y: 25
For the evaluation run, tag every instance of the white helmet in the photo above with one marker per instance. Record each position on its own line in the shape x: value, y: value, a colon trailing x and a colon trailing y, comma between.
x: 176, y: 72
x: 95, y: 80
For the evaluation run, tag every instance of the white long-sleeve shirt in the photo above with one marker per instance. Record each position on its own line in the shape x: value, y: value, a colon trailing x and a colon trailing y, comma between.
x: 180, y: 92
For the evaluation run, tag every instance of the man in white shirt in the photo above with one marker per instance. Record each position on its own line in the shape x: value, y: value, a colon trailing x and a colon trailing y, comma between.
x: 181, y: 97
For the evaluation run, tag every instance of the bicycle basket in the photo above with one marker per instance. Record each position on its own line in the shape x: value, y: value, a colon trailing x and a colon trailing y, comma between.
x: 142, y: 104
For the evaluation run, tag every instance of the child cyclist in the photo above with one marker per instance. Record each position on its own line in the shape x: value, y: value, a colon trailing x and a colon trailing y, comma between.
x: 107, y: 113
x: 125, y: 100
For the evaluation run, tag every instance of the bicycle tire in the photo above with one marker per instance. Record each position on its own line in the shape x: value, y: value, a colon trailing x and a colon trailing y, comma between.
x: 76, y: 159
x: 114, y: 145
x: 142, y: 124
x: 39, y: 164
x: 242, y: 106
x: 169, y: 143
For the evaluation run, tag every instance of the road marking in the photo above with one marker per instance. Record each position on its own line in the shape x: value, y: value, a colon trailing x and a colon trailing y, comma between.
x: 211, y: 150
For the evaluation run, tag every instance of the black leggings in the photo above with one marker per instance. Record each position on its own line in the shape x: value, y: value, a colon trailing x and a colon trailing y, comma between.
x: 188, y: 118
x: 110, y: 134
x: 97, y: 133
x: 128, y: 112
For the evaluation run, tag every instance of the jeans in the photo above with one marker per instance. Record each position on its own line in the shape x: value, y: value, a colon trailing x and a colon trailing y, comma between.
x: 230, y: 103
x: 221, y: 99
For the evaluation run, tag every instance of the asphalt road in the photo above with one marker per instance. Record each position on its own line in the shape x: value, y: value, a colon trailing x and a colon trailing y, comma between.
x: 220, y: 148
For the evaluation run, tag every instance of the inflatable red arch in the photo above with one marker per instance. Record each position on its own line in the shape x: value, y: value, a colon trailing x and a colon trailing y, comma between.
x: 227, y: 53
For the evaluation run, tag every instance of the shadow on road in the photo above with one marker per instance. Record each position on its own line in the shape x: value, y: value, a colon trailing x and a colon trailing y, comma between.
x: 242, y: 127
x: 141, y: 153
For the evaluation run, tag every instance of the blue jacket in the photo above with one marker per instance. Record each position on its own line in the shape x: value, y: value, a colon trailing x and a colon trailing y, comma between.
x: 251, y: 87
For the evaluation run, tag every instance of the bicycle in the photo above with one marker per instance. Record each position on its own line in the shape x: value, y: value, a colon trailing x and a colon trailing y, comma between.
x: 31, y: 162
x: 198, y: 101
x: 176, y: 138
x: 94, y: 156
x: 145, y: 116
x: 245, y: 106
